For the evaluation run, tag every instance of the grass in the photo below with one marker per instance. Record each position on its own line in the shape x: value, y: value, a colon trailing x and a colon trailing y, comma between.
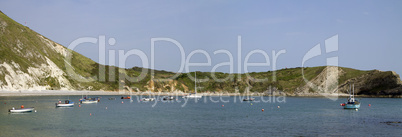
x: 105, y: 77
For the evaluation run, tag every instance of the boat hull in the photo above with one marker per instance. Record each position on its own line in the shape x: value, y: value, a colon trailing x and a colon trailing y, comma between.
x: 351, y: 106
x: 148, y: 99
x: 89, y: 101
x: 21, y: 110
x: 64, y: 105
x: 193, y: 96
x: 168, y: 98
x: 248, y: 99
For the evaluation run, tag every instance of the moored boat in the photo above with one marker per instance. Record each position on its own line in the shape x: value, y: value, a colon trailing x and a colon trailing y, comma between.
x: 148, y: 99
x: 67, y: 103
x: 248, y: 99
x: 352, y: 103
x: 195, y: 95
x: 21, y: 110
x: 168, y: 98
x: 89, y: 100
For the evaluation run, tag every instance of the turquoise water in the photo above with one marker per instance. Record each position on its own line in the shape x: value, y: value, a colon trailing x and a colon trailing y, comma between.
x: 295, y: 117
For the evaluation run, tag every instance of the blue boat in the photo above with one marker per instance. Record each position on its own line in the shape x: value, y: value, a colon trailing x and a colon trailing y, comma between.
x: 352, y: 102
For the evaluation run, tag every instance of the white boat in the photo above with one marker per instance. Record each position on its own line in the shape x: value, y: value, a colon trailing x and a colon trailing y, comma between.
x: 89, y: 101
x: 168, y: 98
x: 21, y: 110
x: 67, y: 103
x: 195, y: 95
x: 148, y: 99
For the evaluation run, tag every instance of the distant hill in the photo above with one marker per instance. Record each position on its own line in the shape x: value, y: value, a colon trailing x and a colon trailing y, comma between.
x: 30, y: 61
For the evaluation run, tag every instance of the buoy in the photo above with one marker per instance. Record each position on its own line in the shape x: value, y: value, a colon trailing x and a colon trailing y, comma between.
x: 369, y: 105
x: 106, y: 107
x: 223, y: 105
x: 122, y: 102
x: 262, y: 110
x: 90, y: 114
x: 79, y: 105
x: 343, y: 104
x: 251, y: 104
x: 279, y: 107
x: 357, y: 109
x: 35, y: 110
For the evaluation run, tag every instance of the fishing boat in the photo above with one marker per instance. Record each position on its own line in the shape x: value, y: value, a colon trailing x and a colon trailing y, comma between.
x: 352, y: 103
x: 66, y: 103
x: 21, y: 110
x: 168, y: 98
x: 126, y: 97
x: 195, y: 95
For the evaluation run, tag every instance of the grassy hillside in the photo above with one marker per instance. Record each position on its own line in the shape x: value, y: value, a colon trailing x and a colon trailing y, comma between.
x: 31, y: 61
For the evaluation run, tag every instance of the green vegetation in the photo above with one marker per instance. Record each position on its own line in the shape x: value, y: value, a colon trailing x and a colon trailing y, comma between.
x: 27, y: 48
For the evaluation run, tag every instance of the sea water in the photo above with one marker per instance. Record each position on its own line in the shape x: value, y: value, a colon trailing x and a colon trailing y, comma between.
x: 208, y: 116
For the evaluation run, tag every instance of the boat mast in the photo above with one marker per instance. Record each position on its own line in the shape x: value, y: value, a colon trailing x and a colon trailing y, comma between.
x: 353, y: 90
x: 131, y: 98
x: 195, y: 82
x: 350, y: 89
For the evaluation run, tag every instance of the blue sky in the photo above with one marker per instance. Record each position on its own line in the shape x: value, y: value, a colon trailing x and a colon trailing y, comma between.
x: 369, y: 32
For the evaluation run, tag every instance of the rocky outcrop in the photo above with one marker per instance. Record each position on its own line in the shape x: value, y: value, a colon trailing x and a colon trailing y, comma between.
x: 375, y: 83
x: 34, y: 78
x: 372, y: 83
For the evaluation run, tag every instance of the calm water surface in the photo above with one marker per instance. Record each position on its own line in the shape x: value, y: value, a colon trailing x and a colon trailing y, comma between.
x: 295, y: 117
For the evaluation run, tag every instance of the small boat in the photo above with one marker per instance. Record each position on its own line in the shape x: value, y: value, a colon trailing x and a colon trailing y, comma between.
x: 195, y: 89
x: 21, y: 110
x: 67, y: 103
x: 248, y: 99
x: 352, y: 103
x: 89, y: 100
x: 112, y: 98
x: 168, y: 98
x: 193, y: 96
x: 148, y: 99
x: 126, y: 97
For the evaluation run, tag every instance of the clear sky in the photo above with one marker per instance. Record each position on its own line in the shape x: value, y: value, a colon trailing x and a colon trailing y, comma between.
x: 369, y: 32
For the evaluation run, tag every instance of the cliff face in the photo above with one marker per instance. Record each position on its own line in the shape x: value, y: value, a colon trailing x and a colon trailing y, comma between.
x: 373, y: 82
x: 30, y: 61
x: 376, y: 83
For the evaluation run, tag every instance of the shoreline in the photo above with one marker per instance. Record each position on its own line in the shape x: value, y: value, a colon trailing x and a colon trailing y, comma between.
x: 92, y: 93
